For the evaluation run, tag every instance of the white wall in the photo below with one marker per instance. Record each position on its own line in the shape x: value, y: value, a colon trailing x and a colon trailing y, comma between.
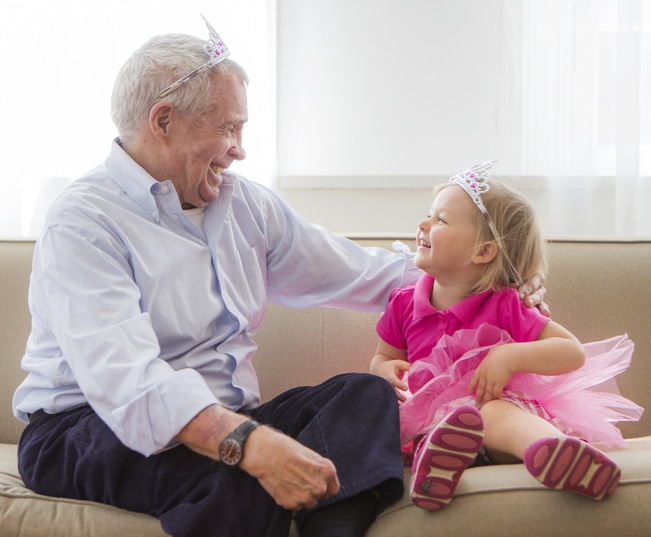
x: 394, y: 72
x: 411, y: 86
x: 582, y: 209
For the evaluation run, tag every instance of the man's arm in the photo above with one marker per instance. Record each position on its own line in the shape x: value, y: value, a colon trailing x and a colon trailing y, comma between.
x: 294, y: 476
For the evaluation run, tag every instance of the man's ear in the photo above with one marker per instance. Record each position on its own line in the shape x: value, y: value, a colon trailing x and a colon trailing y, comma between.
x: 486, y: 253
x: 160, y: 119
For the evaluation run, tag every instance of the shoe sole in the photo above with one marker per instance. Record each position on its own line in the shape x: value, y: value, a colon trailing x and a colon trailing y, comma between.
x: 448, y: 451
x: 568, y: 463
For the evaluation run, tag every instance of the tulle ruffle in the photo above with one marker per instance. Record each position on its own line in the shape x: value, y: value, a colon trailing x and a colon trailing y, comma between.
x: 586, y: 401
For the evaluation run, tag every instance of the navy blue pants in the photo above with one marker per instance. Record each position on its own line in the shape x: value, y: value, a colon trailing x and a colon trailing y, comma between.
x: 351, y: 419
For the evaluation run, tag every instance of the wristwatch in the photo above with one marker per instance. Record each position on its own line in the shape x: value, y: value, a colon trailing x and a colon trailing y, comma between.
x: 231, y: 448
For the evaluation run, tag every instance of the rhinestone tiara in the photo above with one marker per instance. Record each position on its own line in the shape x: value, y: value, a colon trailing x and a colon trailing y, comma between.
x: 215, y: 49
x: 475, y: 182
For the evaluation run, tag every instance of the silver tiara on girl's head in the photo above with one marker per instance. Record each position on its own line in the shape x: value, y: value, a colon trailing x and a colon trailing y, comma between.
x: 216, y: 50
x: 475, y: 182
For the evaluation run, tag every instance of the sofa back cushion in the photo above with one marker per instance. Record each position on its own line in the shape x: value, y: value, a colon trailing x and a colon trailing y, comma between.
x: 597, y: 289
x: 15, y: 267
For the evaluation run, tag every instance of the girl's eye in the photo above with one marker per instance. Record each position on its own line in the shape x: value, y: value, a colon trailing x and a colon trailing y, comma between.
x: 441, y: 220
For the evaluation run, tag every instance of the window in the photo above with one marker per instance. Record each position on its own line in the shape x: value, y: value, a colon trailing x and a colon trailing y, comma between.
x: 59, y: 61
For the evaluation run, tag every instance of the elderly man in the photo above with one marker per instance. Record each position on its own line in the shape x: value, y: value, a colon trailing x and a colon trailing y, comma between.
x: 149, y: 281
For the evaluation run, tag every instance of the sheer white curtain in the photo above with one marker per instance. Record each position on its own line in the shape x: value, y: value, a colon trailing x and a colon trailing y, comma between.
x: 586, y: 89
x: 58, y: 62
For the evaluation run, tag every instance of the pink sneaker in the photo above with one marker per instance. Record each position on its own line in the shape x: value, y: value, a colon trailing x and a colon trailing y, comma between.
x: 570, y: 464
x: 443, y: 455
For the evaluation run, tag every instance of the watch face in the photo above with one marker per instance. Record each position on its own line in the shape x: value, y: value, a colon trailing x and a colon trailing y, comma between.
x: 230, y: 451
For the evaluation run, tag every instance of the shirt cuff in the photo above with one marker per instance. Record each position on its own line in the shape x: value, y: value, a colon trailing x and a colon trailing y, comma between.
x: 149, y: 423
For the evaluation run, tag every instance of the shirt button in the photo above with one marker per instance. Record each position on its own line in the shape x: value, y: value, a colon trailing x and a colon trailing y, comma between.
x: 165, y: 189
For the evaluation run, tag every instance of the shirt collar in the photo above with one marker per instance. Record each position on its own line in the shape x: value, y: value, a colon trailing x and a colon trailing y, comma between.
x: 464, y: 310
x: 131, y: 177
x: 136, y: 181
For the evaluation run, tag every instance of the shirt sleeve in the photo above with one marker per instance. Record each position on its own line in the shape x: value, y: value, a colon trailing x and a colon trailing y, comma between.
x: 83, y: 290
x: 522, y: 322
x: 309, y: 266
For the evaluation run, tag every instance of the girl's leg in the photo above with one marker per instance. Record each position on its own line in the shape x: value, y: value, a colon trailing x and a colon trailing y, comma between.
x: 556, y: 460
x: 509, y: 430
x: 442, y: 456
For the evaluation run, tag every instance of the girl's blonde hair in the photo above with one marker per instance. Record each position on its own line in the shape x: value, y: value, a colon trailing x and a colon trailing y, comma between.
x: 521, y: 246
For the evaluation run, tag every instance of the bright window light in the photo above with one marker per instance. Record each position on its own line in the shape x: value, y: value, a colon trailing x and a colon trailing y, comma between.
x: 59, y: 61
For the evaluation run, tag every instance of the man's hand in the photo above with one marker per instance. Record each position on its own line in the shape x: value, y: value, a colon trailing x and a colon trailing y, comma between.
x: 294, y: 476
x: 533, y: 292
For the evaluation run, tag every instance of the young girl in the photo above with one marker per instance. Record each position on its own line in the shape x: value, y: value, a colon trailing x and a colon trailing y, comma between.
x: 487, y: 373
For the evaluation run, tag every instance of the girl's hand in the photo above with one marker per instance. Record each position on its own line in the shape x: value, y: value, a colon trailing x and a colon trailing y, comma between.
x: 393, y: 371
x: 493, y: 373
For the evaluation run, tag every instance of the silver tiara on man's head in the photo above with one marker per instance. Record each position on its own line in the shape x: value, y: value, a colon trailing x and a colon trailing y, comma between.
x: 215, y: 47
x: 216, y: 50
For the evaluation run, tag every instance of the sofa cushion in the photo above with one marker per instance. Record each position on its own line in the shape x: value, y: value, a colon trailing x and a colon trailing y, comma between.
x: 506, y: 501
x: 502, y: 500
x: 24, y: 512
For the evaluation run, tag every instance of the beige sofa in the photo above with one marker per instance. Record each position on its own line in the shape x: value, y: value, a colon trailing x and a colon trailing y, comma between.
x: 596, y: 289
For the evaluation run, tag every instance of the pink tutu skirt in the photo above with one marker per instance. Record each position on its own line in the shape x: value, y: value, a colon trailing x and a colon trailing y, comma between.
x: 583, y: 403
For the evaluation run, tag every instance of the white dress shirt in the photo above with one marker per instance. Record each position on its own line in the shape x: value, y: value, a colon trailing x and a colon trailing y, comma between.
x: 149, y: 318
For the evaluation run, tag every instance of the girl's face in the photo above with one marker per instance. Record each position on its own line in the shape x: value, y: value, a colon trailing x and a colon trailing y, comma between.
x: 446, y: 239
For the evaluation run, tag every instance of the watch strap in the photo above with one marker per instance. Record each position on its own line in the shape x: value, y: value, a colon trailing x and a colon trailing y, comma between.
x: 242, y: 431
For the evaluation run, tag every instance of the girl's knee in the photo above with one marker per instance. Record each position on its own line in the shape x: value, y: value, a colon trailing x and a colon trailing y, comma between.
x: 495, y: 408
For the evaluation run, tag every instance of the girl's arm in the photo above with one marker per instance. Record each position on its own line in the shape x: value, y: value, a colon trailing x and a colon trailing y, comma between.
x: 391, y: 363
x: 556, y: 351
